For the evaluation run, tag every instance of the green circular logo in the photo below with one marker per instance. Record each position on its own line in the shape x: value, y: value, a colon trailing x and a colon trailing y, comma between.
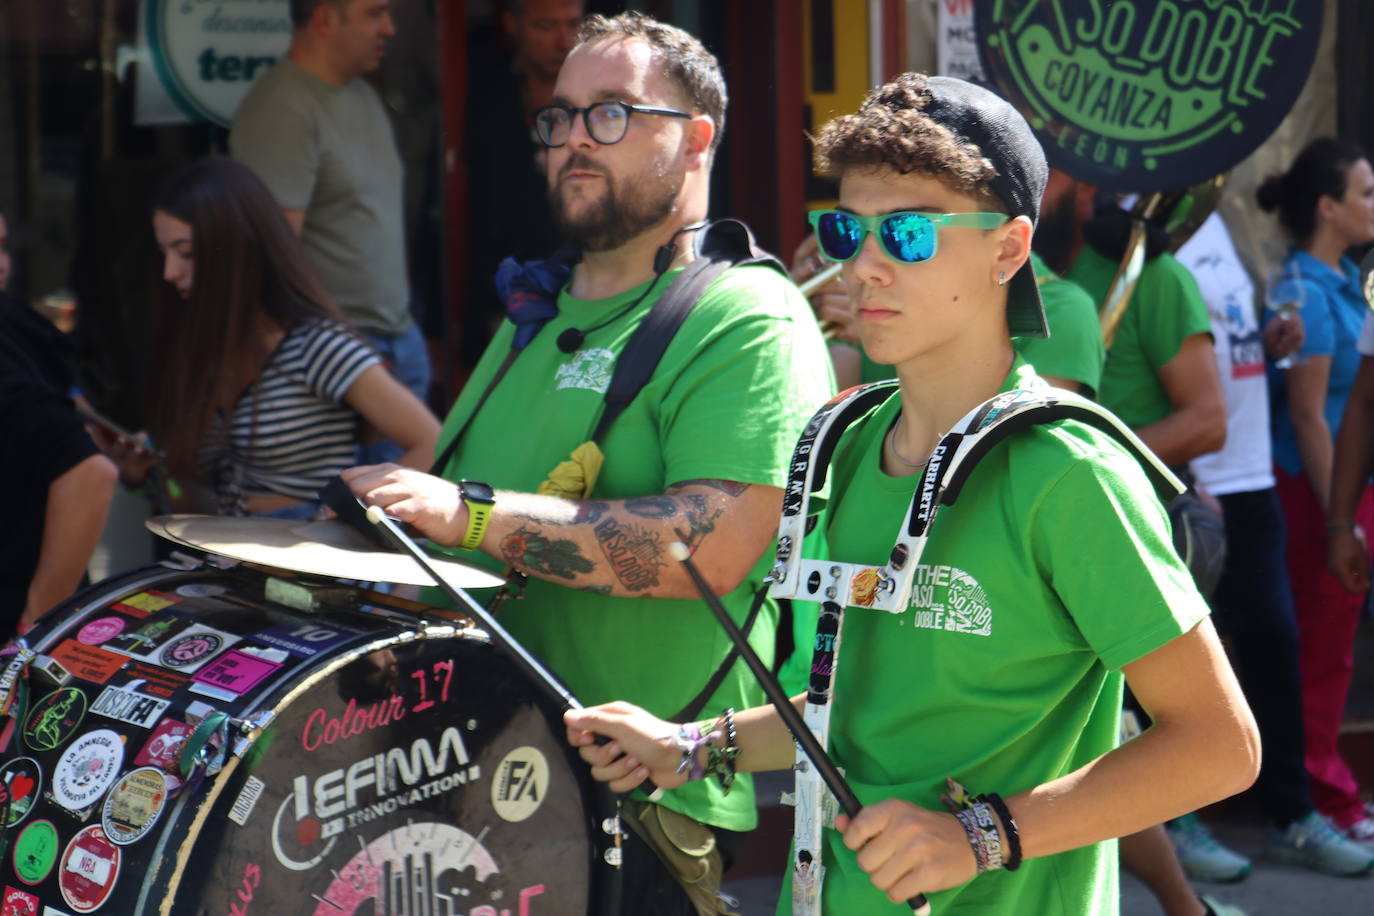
x: 35, y: 851
x: 54, y: 718
x: 1149, y: 95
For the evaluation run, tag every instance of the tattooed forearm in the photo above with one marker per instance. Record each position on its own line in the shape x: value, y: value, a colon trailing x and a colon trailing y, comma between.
x: 532, y: 551
x: 590, y: 511
x: 728, y: 487
x: 701, y: 521
x: 597, y: 589
x: 656, y: 507
x: 634, y: 552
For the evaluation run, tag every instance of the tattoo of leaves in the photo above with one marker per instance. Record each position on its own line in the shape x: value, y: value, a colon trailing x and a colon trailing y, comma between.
x: 532, y: 551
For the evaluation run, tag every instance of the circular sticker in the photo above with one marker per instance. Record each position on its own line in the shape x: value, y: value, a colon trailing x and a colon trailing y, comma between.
x: 1148, y: 96
x: 101, y: 630
x: 90, y: 867
x: 190, y: 649
x: 521, y: 784
x: 134, y: 805
x: 35, y: 851
x: 200, y: 590
x: 87, y: 769
x: 23, y: 782
x: 54, y: 718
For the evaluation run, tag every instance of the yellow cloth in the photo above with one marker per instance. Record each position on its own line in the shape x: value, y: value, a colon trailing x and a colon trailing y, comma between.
x: 575, y: 478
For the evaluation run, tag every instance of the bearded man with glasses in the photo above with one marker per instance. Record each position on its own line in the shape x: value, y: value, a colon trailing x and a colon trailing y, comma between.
x: 699, y: 455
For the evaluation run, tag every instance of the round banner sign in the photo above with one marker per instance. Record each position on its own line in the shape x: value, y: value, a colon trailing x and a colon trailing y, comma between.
x: 87, y: 768
x: 207, y: 52
x: 1149, y: 95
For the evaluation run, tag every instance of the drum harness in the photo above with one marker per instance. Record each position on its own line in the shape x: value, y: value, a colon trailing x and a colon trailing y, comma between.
x: 836, y: 584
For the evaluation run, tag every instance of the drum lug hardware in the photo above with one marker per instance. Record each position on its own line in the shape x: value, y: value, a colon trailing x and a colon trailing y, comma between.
x: 611, y: 826
x: 248, y: 729
x: 613, y: 856
x: 182, y: 561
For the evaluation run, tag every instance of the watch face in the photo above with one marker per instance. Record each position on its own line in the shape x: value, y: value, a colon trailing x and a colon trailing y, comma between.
x: 477, y: 491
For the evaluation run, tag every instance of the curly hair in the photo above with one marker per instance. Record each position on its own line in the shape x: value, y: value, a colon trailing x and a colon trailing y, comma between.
x: 891, y: 130
x: 686, y: 61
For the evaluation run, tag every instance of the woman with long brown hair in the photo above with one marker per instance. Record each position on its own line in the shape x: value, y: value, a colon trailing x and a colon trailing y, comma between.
x: 260, y: 387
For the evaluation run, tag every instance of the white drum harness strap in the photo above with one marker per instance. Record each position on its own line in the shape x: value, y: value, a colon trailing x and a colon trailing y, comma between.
x: 837, y: 584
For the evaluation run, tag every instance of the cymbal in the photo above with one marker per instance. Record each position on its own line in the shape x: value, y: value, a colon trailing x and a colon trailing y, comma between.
x: 321, y: 548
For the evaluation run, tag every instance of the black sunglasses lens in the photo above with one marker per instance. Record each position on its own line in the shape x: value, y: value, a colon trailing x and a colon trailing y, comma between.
x: 908, y: 237
x: 839, y: 236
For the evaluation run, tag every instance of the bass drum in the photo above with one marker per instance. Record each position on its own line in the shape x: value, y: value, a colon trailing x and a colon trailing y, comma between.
x: 179, y: 743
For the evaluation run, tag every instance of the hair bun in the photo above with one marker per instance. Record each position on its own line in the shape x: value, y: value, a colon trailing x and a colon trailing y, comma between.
x: 1269, y: 195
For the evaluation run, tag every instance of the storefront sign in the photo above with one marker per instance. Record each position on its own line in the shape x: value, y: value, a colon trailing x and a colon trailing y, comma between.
x: 203, y: 55
x: 1149, y: 95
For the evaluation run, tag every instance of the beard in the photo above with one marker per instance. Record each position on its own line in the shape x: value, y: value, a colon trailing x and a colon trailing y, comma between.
x: 1056, y: 233
x: 620, y: 213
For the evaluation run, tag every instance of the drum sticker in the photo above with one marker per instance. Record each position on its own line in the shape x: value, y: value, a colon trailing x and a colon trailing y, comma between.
x: 129, y: 706
x: 90, y: 867
x: 35, y: 851
x: 150, y: 636
x: 101, y: 630
x: 153, y: 680
x: 134, y: 805
x: 236, y: 672
x: 54, y: 911
x: 306, y: 639
x: 144, y: 603
x: 521, y: 784
x: 163, y: 745
x: 320, y: 807
x: 247, y: 800
x: 90, y: 663
x: 54, y: 718
x: 194, y: 648
x: 87, y: 769
x: 18, y: 903
x: 11, y: 675
x: 23, y: 782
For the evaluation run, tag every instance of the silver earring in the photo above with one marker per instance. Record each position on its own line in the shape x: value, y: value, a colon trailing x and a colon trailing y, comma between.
x: 1002, y: 278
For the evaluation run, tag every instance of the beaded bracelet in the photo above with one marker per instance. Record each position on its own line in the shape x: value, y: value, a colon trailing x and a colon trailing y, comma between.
x: 720, y: 761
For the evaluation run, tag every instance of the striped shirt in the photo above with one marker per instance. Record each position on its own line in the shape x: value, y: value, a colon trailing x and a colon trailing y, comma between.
x: 291, y: 431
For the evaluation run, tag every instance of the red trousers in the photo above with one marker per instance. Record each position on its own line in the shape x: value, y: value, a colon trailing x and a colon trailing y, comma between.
x: 1328, y: 616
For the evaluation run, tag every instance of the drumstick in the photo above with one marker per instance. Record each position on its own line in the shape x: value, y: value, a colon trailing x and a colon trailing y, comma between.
x: 820, y: 279
x: 550, y: 684
x: 829, y: 773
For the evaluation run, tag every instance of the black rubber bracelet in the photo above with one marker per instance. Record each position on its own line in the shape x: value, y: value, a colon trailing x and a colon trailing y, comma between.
x: 1013, y: 861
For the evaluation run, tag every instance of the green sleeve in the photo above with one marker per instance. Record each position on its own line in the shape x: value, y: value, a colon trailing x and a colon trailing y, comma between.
x: 1170, y: 310
x: 1074, y: 349
x: 744, y: 389
x: 278, y: 142
x: 1124, y: 587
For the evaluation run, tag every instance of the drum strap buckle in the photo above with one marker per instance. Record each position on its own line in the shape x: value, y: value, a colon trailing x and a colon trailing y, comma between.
x: 206, y: 747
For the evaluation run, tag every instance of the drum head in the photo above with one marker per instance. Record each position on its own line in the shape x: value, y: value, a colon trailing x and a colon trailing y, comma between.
x: 321, y: 548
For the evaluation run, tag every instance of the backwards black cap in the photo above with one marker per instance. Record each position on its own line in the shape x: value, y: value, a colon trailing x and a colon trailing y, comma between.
x: 989, y: 122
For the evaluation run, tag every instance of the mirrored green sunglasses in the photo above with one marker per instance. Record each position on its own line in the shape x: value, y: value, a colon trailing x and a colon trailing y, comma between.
x: 908, y: 236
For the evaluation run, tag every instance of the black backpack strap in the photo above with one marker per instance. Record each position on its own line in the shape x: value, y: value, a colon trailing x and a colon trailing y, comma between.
x: 695, y: 705
x: 723, y: 244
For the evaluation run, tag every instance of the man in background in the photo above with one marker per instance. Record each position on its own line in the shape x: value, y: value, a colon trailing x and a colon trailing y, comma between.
x: 319, y: 137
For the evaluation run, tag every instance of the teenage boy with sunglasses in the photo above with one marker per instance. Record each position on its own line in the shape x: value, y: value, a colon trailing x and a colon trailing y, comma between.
x: 1057, y: 532
x: 700, y: 455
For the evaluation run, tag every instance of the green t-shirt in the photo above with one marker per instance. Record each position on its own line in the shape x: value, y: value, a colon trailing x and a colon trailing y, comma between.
x: 1074, y: 348
x: 1021, y: 686
x: 728, y: 401
x: 330, y: 151
x: 1165, y: 309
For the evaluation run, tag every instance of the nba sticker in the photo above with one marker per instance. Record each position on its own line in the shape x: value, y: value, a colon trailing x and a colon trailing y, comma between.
x: 163, y: 745
x: 35, y: 851
x: 194, y: 648
x: 87, y: 769
x: 101, y: 630
x: 521, y: 784
x: 129, y: 706
x: 247, y: 800
x: 90, y: 867
x: 18, y: 903
x: 236, y: 672
x: 134, y: 805
x: 23, y: 782
x: 54, y: 718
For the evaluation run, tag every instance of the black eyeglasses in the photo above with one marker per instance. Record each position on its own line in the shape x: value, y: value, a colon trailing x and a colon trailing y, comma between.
x: 607, y: 122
